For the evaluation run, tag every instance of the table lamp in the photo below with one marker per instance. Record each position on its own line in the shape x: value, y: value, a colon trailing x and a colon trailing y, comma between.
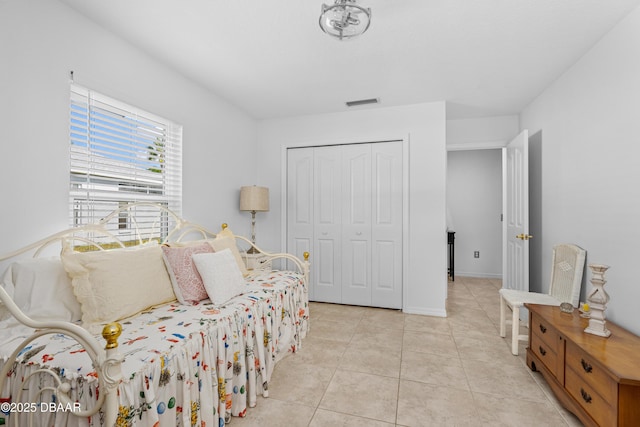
x: 254, y: 199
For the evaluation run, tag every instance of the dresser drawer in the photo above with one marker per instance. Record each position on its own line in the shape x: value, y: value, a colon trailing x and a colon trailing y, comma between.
x: 591, y: 373
x: 595, y: 405
x: 545, y: 353
x: 546, y: 333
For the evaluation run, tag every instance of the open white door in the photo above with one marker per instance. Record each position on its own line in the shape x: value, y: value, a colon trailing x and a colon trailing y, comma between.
x: 515, y: 252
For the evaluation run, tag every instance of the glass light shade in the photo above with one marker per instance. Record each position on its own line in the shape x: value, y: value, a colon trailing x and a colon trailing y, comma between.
x: 345, y: 19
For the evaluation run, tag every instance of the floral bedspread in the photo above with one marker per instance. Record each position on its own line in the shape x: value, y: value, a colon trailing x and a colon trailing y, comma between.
x: 183, y: 365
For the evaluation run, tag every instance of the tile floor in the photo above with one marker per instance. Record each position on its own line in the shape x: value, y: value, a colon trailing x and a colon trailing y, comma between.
x: 363, y: 366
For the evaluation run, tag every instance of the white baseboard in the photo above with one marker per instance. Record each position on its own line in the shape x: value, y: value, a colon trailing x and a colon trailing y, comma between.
x: 426, y: 312
x: 481, y: 275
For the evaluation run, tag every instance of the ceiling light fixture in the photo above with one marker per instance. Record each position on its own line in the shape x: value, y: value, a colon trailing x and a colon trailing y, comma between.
x: 345, y: 19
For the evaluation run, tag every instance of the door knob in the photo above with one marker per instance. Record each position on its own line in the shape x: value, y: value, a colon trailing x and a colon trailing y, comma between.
x: 524, y: 236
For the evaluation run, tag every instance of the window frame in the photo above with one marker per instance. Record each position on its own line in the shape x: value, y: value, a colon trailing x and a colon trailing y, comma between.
x: 120, y: 154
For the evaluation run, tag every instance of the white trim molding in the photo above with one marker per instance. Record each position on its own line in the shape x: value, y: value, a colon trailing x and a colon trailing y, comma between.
x: 484, y: 145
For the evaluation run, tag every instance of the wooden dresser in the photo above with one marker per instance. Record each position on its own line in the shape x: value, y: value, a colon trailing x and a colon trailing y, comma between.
x: 597, y: 379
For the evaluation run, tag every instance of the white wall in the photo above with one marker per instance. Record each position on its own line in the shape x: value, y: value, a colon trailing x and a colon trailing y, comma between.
x: 591, y: 180
x: 40, y: 42
x: 424, y: 124
x: 474, y: 199
x: 481, y: 132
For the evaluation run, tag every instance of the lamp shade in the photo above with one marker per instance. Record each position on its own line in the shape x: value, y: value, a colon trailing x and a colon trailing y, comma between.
x: 254, y: 198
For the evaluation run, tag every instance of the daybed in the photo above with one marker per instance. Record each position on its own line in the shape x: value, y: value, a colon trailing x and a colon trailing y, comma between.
x: 178, y: 354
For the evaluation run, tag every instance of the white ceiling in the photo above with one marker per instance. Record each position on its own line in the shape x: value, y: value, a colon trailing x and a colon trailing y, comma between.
x: 270, y: 58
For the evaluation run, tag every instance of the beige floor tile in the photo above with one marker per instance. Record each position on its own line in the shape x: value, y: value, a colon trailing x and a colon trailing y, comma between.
x: 275, y: 413
x: 571, y: 419
x: 421, y: 404
x: 364, y: 395
x: 462, y: 291
x: 336, y: 312
x: 299, y: 383
x: 489, y: 349
x: 324, y: 418
x: 471, y: 315
x: 384, y: 318
x: 369, y: 359
x: 369, y: 334
x: 427, y: 324
x: 429, y: 343
x: 433, y: 369
x: 362, y: 366
x: 481, y: 327
x: 460, y: 307
x: 320, y: 352
x: 332, y: 330
x: 458, y: 289
x: 503, y: 380
x: 507, y: 412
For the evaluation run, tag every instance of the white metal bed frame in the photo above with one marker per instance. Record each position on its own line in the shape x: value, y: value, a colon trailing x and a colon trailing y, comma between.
x: 106, y: 361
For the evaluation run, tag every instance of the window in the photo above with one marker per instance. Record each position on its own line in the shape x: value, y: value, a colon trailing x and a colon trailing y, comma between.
x: 119, y: 155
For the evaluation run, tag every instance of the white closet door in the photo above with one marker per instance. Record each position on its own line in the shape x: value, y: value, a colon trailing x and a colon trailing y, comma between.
x: 300, y: 203
x: 386, y: 231
x: 356, y: 224
x: 344, y: 205
x: 327, y: 224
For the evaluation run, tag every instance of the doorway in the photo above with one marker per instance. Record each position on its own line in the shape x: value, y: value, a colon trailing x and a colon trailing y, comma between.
x: 458, y: 167
x: 474, y: 201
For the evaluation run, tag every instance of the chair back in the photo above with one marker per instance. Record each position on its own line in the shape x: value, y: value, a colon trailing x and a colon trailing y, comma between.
x: 566, y: 273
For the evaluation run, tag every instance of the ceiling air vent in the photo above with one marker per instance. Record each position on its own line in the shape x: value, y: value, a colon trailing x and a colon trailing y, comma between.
x: 363, y: 102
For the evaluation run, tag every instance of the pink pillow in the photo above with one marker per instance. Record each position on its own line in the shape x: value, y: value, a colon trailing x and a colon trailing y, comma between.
x: 186, y: 281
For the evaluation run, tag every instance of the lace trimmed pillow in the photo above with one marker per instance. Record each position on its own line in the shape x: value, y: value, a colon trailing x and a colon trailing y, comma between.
x: 115, y: 284
x: 185, y: 279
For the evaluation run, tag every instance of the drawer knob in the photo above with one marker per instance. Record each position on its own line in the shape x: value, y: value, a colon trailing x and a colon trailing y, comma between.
x: 586, y: 366
x: 542, y: 351
x: 585, y: 396
x: 543, y: 329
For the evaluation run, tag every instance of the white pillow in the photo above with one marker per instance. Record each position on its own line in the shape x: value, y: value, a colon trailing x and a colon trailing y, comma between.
x: 41, y: 289
x: 115, y: 284
x: 221, y: 276
x: 226, y: 240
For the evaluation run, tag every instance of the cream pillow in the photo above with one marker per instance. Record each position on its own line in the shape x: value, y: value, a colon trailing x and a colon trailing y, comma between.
x: 115, y: 284
x: 220, y: 274
x: 225, y: 240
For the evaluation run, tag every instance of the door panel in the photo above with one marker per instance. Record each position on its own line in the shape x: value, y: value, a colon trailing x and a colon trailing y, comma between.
x: 516, y: 208
x: 300, y: 204
x: 325, y: 267
x: 327, y: 223
x: 356, y: 224
x: 387, y: 225
x: 385, y: 272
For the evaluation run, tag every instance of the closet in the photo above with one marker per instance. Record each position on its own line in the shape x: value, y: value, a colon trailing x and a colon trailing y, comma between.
x: 344, y: 205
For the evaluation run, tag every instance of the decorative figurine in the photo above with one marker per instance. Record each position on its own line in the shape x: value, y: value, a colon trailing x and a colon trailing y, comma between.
x: 598, y: 299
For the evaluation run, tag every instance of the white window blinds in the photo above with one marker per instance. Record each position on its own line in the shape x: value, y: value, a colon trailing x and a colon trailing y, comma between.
x: 119, y: 155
